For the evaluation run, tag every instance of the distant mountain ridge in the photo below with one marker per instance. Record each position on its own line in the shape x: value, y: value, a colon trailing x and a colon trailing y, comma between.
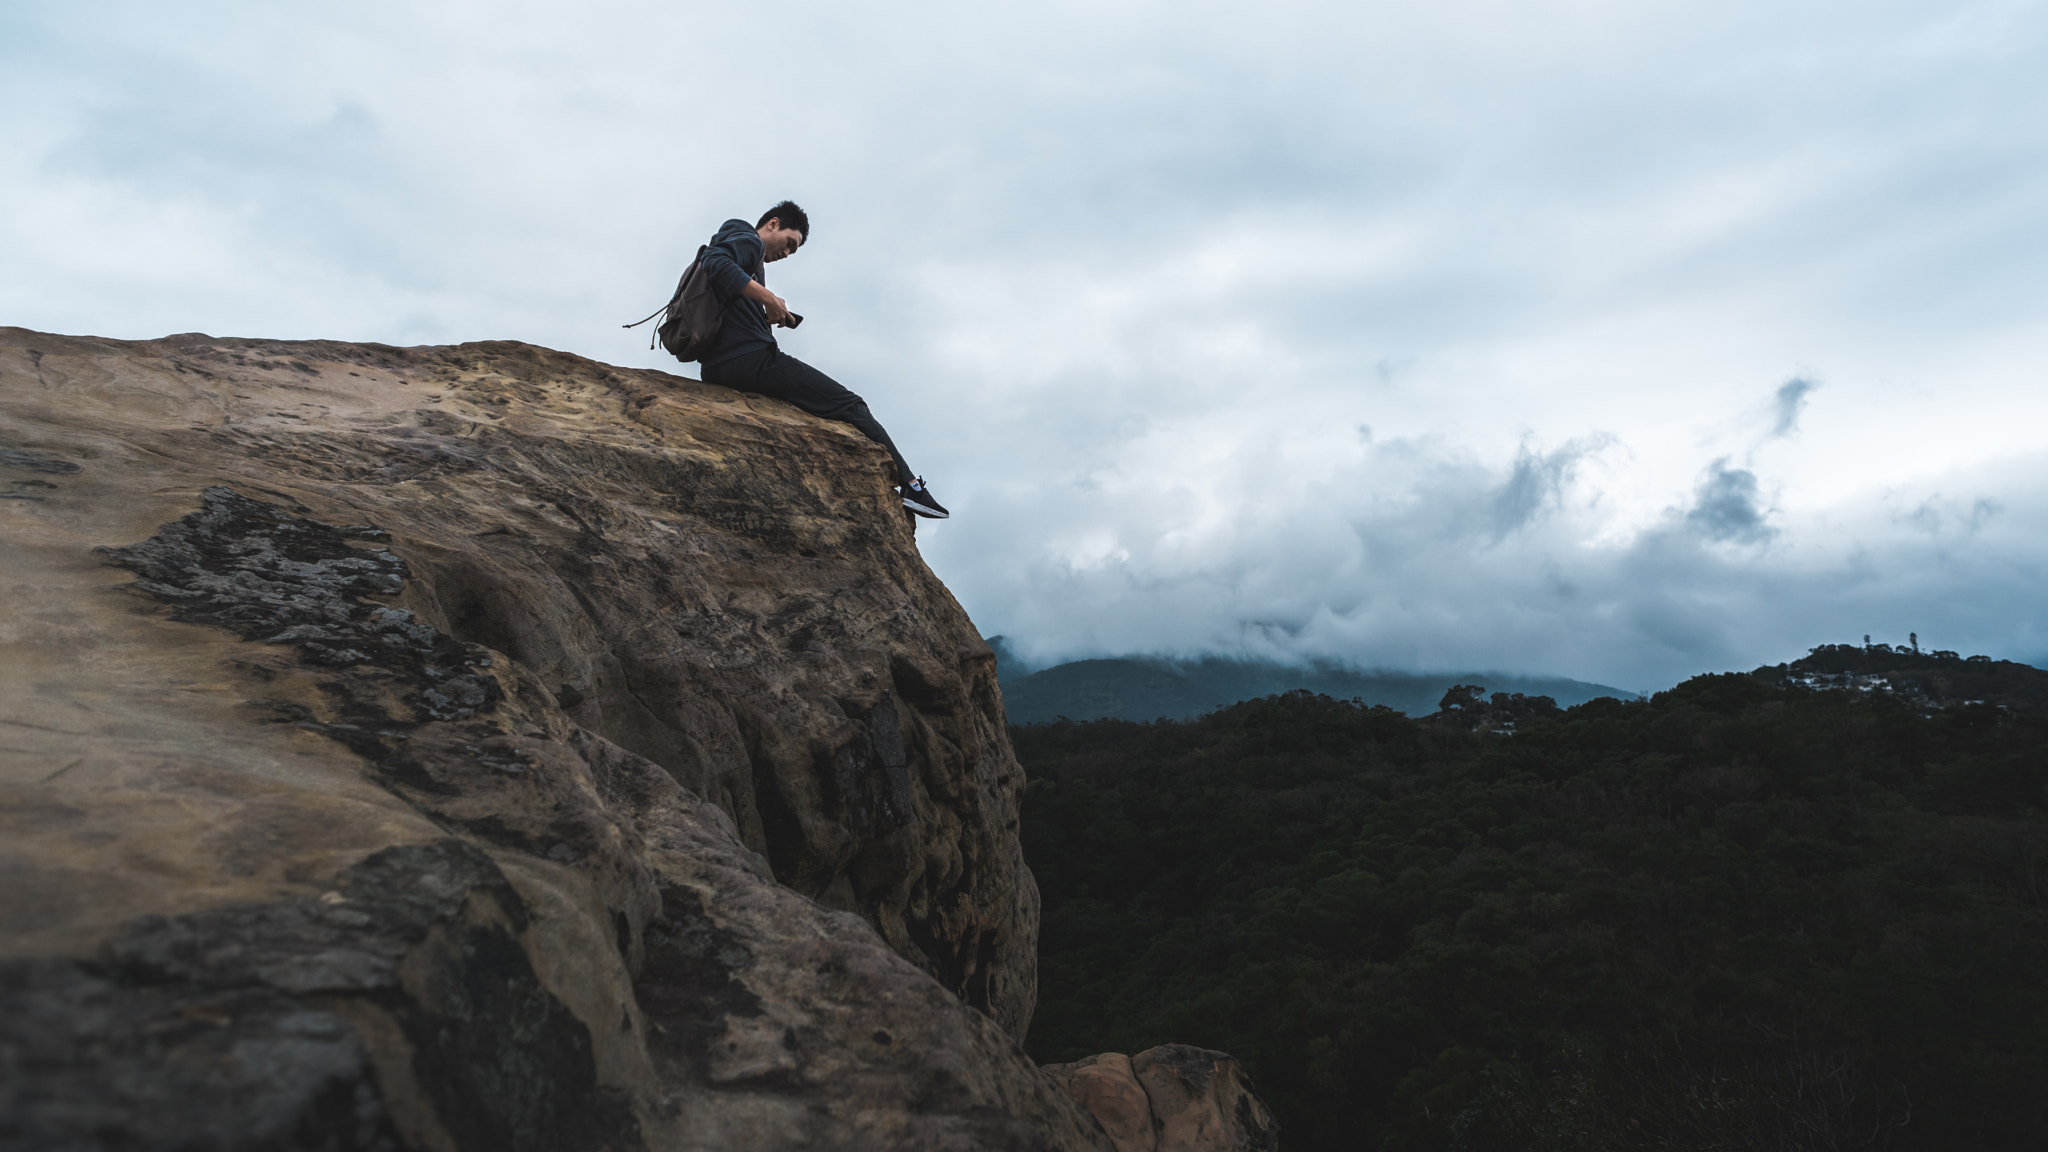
x: 1149, y: 689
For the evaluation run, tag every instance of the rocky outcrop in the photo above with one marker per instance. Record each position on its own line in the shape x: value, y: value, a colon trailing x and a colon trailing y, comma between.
x: 1173, y: 1098
x: 481, y: 747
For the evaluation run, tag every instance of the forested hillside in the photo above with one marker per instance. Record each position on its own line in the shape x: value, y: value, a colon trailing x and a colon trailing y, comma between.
x: 1930, y: 678
x: 1737, y: 915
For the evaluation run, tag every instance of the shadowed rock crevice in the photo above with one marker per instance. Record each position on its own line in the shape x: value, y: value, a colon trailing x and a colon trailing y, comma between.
x: 871, y: 774
x: 89, y: 1059
x: 687, y: 986
x: 239, y: 1027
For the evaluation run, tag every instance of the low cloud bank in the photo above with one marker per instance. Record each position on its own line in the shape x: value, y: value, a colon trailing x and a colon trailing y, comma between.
x: 1410, y: 554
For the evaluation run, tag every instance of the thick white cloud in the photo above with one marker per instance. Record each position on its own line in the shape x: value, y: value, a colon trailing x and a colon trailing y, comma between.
x: 1623, y: 340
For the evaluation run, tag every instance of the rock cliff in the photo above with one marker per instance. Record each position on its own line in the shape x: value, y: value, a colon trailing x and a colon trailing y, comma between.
x: 482, y: 747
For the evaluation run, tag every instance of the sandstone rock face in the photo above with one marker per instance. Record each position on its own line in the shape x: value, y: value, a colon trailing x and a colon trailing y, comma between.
x: 481, y: 747
x: 1173, y: 1098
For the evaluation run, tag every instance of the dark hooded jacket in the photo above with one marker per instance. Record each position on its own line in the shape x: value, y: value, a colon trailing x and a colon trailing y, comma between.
x: 736, y: 255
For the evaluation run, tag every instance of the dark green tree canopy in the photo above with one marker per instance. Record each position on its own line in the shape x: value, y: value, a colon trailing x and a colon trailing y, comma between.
x: 1746, y: 913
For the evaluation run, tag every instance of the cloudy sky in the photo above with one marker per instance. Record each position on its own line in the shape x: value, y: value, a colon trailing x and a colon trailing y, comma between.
x: 1620, y: 340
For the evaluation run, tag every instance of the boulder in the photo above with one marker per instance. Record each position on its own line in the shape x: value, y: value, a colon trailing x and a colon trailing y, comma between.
x: 1173, y: 1098
x: 483, y: 747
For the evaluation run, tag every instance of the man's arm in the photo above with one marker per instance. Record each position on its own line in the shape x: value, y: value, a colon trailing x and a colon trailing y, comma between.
x: 777, y: 309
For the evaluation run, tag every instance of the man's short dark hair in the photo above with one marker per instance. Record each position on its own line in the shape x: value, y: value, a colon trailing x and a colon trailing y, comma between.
x: 790, y: 215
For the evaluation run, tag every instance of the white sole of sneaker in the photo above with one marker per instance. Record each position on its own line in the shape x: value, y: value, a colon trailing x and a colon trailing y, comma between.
x: 925, y: 512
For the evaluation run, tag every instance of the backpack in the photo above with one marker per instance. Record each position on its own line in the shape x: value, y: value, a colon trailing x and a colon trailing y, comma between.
x: 692, y: 317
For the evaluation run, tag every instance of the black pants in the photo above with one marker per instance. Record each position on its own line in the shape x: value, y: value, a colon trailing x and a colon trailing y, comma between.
x: 776, y: 374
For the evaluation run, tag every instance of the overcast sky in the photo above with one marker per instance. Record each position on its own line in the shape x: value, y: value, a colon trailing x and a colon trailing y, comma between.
x: 1619, y: 340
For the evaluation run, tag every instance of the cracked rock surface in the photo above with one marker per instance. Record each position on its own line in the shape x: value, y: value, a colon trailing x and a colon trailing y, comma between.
x: 482, y: 747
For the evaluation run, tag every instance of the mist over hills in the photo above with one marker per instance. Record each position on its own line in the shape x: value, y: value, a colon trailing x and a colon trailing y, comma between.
x: 1141, y: 689
x: 1149, y: 689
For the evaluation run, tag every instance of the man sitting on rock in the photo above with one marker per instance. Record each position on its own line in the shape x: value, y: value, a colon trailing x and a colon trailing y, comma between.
x: 745, y: 356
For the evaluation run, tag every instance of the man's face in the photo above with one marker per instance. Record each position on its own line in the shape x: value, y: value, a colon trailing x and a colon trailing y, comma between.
x: 778, y: 240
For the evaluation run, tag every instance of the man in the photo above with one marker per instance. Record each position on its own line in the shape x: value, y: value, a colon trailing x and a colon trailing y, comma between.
x: 745, y: 356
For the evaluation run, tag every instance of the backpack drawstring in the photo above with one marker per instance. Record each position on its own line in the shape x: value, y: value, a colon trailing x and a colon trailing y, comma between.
x: 649, y: 316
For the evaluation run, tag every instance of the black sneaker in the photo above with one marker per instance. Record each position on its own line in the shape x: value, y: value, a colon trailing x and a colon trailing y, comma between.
x: 918, y: 499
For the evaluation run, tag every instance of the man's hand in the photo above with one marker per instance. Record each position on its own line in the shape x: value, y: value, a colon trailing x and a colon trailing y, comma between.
x: 778, y: 312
